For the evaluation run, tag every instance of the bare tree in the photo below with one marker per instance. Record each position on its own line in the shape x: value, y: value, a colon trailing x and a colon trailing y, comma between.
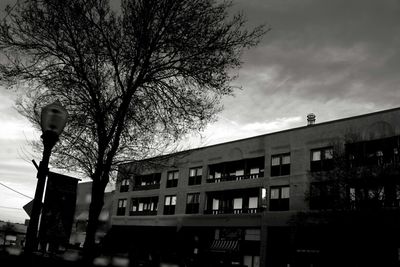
x: 132, y: 79
x: 361, y: 175
x: 354, y: 199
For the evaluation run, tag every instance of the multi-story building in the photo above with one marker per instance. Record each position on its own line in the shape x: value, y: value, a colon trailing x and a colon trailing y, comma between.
x: 239, y: 202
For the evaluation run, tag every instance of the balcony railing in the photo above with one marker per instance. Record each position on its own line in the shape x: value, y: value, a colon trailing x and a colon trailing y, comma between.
x: 145, y: 187
x: 234, y: 211
x: 235, y: 178
x: 143, y: 213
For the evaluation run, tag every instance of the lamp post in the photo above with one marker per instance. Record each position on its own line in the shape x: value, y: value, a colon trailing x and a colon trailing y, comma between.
x: 52, y: 121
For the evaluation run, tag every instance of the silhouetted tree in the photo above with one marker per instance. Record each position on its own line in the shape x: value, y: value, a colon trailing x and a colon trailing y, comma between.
x: 132, y: 79
x: 354, y: 203
x: 362, y: 175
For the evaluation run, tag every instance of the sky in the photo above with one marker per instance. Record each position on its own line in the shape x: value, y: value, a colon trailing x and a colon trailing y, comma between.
x: 333, y: 58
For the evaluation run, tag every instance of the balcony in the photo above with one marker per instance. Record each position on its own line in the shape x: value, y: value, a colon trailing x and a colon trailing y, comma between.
x: 234, y: 211
x: 238, y: 201
x: 235, y: 178
x: 236, y: 170
x: 145, y: 187
x: 143, y: 213
x: 362, y: 194
x: 146, y: 182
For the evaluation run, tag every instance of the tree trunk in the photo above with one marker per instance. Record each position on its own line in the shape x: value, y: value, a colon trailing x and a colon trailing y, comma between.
x: 95, y: 208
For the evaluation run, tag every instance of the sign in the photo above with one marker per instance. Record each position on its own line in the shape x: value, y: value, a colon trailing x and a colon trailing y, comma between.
x: 28, y: 207
x: 58, y: 211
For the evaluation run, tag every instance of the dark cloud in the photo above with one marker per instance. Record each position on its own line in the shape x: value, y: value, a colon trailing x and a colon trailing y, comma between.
x: 320, y: 52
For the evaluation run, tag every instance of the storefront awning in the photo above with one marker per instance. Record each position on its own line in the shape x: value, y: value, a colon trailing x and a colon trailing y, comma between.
x: 225, y: 245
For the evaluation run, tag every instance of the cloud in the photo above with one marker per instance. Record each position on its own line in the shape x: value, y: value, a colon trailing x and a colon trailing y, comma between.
x: 14, y: 130
x: 271, y: 126
x: 335, y: 57
x: 228, y: 130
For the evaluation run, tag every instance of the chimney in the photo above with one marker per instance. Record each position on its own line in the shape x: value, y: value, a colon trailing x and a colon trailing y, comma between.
x: 310, y: 119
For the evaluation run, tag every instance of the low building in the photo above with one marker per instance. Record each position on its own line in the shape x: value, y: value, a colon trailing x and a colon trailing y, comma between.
x: 84, y: 193
x: 12, y: 234
x: 254, y: 201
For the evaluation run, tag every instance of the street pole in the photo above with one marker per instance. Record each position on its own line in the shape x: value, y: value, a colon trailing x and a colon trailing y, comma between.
x: 52, y: 121
x: 49, y: 140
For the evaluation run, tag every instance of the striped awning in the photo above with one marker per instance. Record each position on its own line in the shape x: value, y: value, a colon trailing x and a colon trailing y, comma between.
x: 225, y: 245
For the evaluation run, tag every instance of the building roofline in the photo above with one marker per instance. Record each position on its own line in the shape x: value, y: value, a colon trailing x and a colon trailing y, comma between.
x: 268, y: 134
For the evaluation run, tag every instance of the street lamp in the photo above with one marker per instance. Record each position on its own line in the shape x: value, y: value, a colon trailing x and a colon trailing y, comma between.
x: 52, y: 121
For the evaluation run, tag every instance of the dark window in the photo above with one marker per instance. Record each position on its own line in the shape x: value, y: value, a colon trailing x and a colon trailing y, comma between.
x: 169, y: 205
x: 195, y: 175
x: 121, y: 207
x: 215, y: 173
x: 279, y: 198
x: 147, y: 182
x: 321, y: 159
x: 327, y: 195
x: 124, y: 187
x: 381, y: 152
x: 280, y: 165
x: 172, y: 179
x: 374, y: 196
x: 192, y: 203
x: 144, y: 206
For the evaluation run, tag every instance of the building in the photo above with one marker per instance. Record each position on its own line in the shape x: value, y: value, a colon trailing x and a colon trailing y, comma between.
x: 78, y: 234
x: 12, y: 234
x: 248, y: 202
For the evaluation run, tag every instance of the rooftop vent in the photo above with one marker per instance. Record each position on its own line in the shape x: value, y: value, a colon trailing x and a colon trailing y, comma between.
x: 310, y: 119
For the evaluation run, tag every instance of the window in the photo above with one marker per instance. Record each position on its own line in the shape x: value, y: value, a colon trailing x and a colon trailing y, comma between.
x: 252, y: 235
x: 253, y: 202
x: 237, y: 205
x: 321, y: 159
x: 239, y: 175
x: 251, y: 261
x: 280, y: 165
x: 215, y: 204
x: 192, y: 203
x: 325, y: 195
x: 147, y: 182
x: 195, y: 175
x: 373, y: 196
x: 124, y: 187
x: 121, y: 207
x: 172, y: 179
x: 255, y: 168
x: 169, y: 205
x: 279, y: 198
x: 144, y: 206
x: 254, y: 171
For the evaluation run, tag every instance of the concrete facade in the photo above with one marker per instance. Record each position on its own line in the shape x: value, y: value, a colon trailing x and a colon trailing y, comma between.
x: 297, y: 142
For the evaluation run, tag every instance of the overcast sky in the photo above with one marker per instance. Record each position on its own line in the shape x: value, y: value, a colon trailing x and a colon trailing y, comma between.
x: 333, y: 58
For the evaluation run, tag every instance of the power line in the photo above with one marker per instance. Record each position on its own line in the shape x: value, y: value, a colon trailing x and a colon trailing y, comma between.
x: 15, y: 191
